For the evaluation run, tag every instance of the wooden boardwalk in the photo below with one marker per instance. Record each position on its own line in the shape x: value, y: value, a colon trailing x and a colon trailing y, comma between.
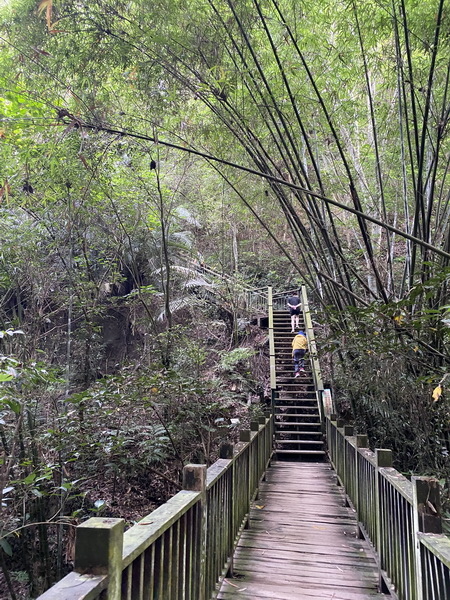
x: 302, y: 542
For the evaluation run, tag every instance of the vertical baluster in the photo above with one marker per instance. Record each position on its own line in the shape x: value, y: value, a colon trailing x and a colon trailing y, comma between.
x: 176, y: 571
x: 182, y: 551
x: 149, y: 560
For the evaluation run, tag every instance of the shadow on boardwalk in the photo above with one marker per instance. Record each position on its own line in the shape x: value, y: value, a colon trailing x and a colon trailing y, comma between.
x: 302, y: 542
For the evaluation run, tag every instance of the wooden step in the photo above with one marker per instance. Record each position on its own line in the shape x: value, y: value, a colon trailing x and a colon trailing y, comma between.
x: 303, y: 395
x: 282, y: 383
x: 282, y: 451
x: 291, y: 409
x: 296, y: 432
x: 313, y: 436
x: 296, y: 407
x: 305, y: 442
x: 296, y: 415
x: 307, y: 402
x: 300, y: 400
x: 298, y: 424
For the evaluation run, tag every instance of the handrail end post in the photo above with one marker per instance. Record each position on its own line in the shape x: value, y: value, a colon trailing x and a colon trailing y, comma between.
x: 98, y: 551
x: 383, y: 457
x: 194, y: 478
x: 226, y: 450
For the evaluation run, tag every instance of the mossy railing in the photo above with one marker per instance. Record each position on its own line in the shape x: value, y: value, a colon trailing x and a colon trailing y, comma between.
x: 313, y: 354
x: 184, y: 548
x: 400, y: 517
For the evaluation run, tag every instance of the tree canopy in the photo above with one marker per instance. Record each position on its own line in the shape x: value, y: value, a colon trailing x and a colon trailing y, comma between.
x: 158, y: 161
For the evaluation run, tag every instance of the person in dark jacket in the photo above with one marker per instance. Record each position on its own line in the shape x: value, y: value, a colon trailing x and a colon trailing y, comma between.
x: 294, y: 306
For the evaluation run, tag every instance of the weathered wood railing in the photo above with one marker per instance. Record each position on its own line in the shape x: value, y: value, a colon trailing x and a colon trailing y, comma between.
x: 400, y: 517
x: 182, y: 549
x: 313, y: 355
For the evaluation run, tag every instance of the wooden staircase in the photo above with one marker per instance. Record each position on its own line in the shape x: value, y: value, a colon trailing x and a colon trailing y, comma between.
x: 298, y: 430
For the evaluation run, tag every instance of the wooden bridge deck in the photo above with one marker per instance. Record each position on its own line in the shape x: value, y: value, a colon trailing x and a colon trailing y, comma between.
x: 302, y: 542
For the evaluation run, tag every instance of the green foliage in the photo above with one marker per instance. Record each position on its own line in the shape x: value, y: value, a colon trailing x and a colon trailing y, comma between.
x: 229, y: 361
x: 383, y: 378
x: 105, y: 227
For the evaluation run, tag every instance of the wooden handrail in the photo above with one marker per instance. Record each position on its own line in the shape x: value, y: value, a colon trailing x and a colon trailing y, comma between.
x: 400, y: 517
x: 312, y: 347
x: 273, y: 379
x: 184, y: 548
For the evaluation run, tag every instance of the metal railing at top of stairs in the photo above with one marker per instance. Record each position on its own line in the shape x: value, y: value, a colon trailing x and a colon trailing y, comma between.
x: 250, y: 300
x: 279, y: 299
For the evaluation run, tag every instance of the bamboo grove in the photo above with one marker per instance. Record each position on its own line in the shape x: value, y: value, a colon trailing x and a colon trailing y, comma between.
x: 335, y: 114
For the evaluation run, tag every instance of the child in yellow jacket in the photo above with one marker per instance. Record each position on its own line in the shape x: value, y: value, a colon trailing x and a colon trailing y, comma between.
x: 299, y: 348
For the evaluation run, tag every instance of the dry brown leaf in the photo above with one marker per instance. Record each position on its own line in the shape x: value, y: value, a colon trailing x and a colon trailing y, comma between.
x: 46, y: 5
x: 437, y: 392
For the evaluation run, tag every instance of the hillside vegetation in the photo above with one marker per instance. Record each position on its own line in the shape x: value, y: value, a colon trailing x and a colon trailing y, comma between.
x: 157, y: 163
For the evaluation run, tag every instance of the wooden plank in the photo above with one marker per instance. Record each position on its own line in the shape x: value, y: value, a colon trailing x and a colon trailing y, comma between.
x: 313, y: 581
x: 307, y: 568
x: 276, y: 591
x: 302, y: 542
x: 88, y: 587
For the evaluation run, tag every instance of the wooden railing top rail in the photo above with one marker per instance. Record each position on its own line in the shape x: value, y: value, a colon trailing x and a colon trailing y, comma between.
x: 88, y: 587
x: 147, y: 530
x: 368, y: 455
x: 398, y: 481
x: 216, y: 470
x: 438, y: 544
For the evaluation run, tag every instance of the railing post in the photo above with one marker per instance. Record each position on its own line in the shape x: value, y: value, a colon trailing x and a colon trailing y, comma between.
x: 339, y: 461
x: 98, y: 551
x: 361, y: 442
x: 427, y: 519
x: 194, y: 480
x: 383, y: 459
x: 348, y: 431
x: 269, y: 415
x: 245, y: 436
x: 254, y: 460
x: 330, y: 437
x: 226, y: 450
x: 262, y: 449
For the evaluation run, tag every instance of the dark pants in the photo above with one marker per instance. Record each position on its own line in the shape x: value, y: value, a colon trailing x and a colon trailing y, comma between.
x: 299, y: 363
